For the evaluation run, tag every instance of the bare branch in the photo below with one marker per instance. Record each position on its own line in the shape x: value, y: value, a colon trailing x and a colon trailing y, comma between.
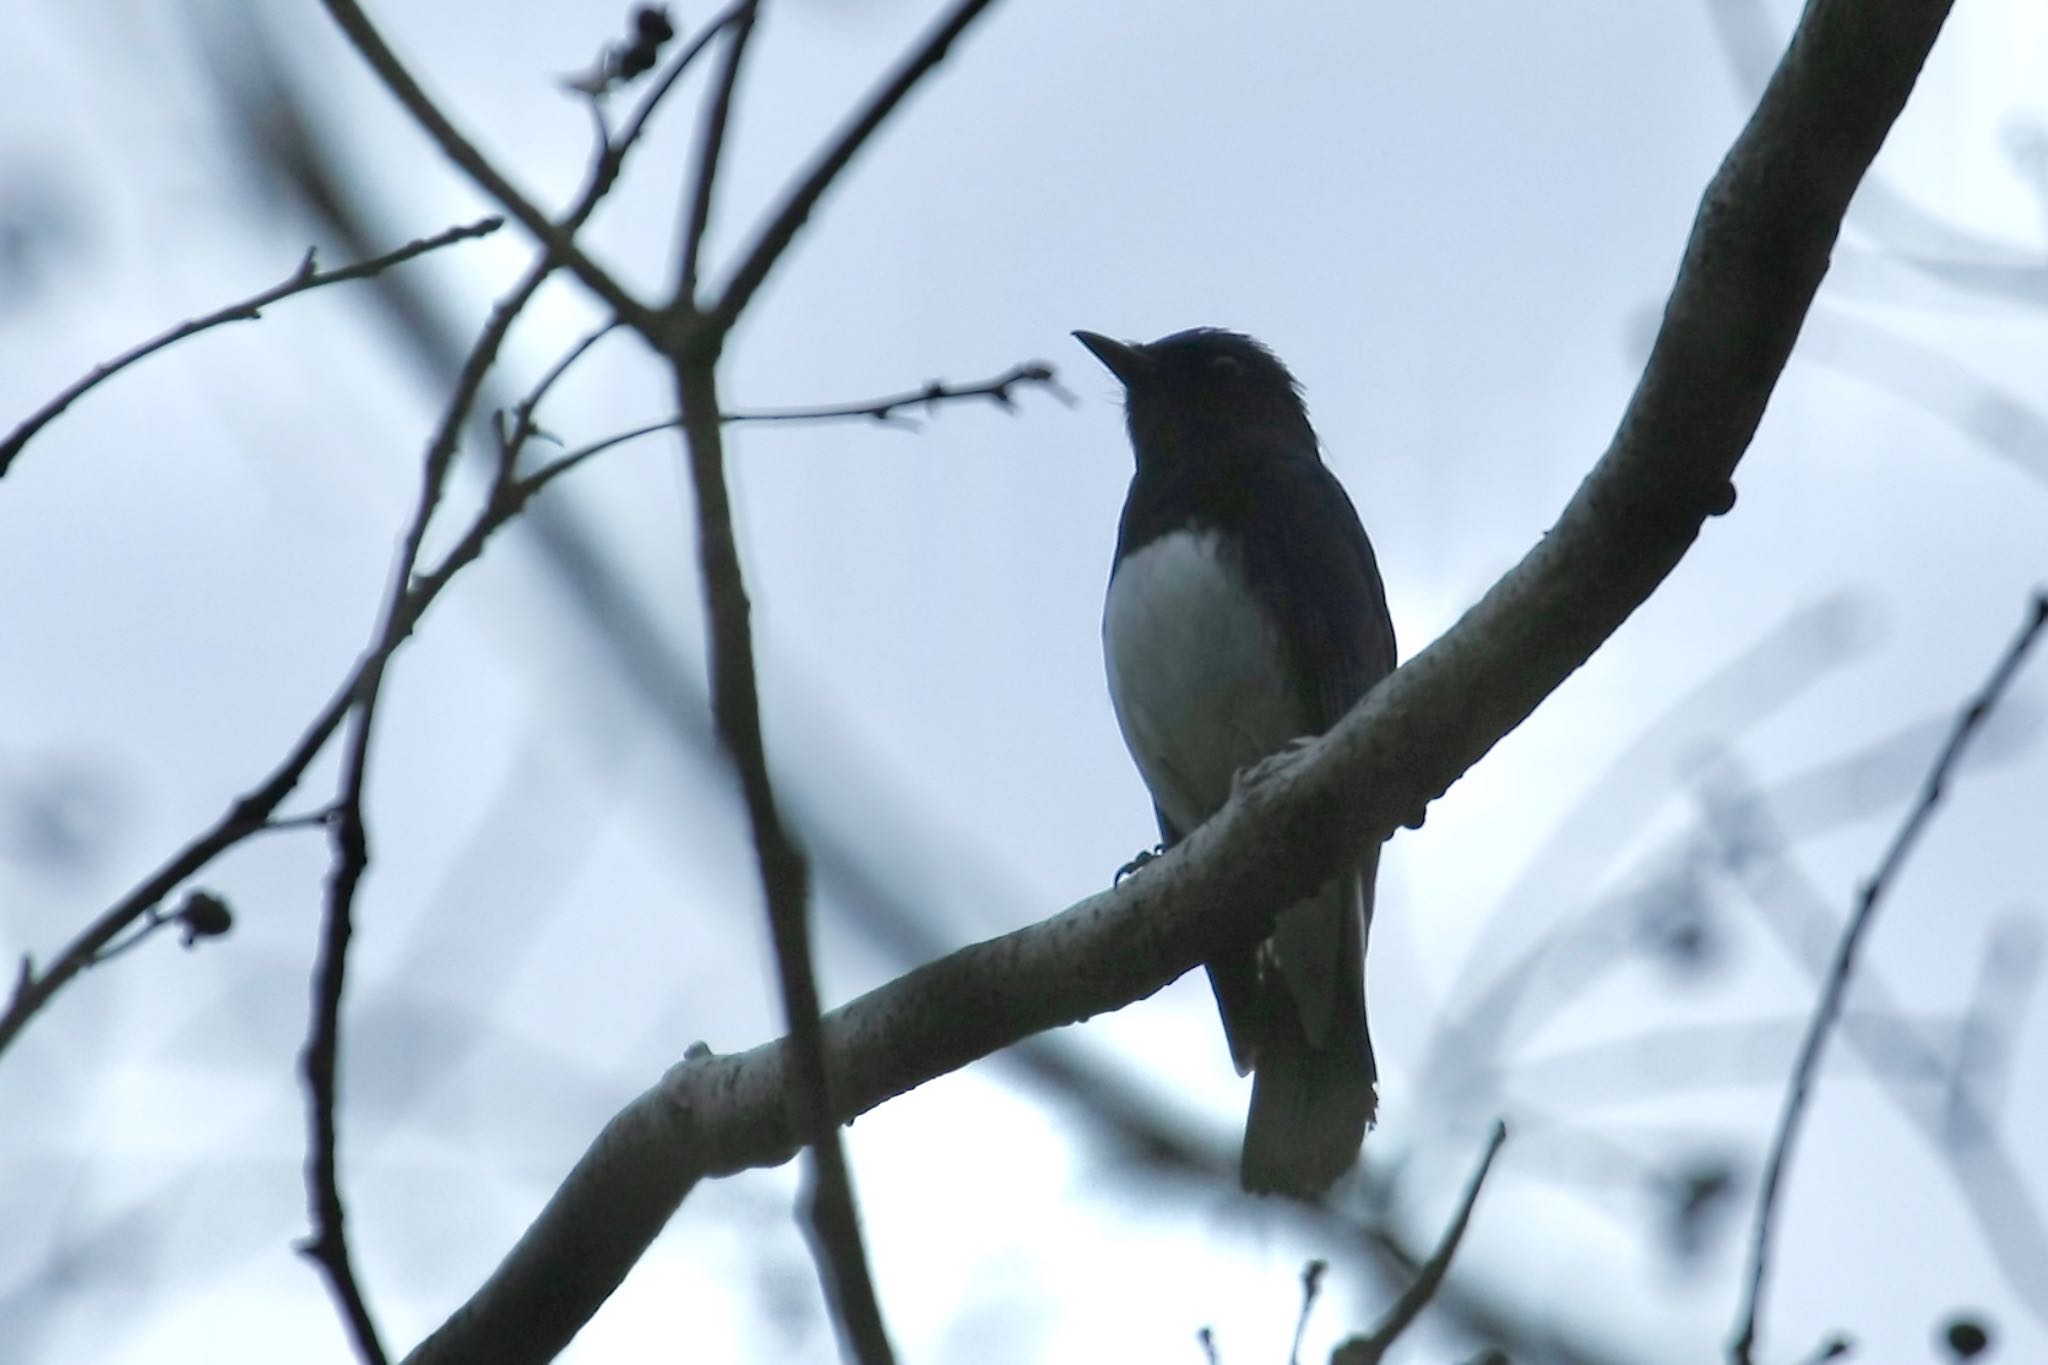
x: 1758, y: 252
x: 1832, y: 1347
x: 1311, y: 1287
x: 511, y: 444
x: 1370, y: 1350
x: 252, y: 813
x: 559, y: 240
x: 302, y: 280
x: 885, y: 410
x: 1000, y: 390
x: 1837, y: 980
x: 248, y: 815
x: 783, y: 225
x: 320, y: 1060
x: 615, y: 153
x: 833, y: 1221
x: 710, y: 147
x: 1912, y: 1064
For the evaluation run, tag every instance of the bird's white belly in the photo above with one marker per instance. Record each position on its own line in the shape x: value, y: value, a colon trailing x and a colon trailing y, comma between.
x: 1194, y: 673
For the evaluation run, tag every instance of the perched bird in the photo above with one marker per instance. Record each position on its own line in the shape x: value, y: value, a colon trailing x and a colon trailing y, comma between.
x: 1245, y: 611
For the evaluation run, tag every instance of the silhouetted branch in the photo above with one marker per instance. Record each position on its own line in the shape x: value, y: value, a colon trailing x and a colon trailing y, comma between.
x: 559, y: 240
x: 783, y: 225
x: 254, y: 812
x: 710, y: 148
x: 1834, y: 1347
x: 1913, y: 1066
x: 348, y: 831
x: 1370, y: 1350
x: 302, y: 280
x: 1837, y: 980
x: 1758, y: 252
x: 832, y: 1221
x: 523, y: 428
x: 1311, y: 1286
x: 612, y: 150
x: 997, y: 391
x: 320, y: 1060
x: 1908, y: 233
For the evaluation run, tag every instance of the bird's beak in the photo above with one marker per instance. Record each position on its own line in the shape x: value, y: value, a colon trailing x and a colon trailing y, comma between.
x: 1125, y: 361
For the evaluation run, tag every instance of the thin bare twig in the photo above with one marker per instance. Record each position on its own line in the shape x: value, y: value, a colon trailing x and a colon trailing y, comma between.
x: 1369, y: 1350
x: 1757, y: 254
x: 1000, y: 391
x: 252, y: 813
x: 511, y: 444
x: 614, y: 152
x: 321, y: 1058
x: 1832, y: 1347
x: 203, y: 915
x: 1311, y: 1286
x: 884, y: 410
x: 525, y: 408
x: 833, y: 1221
x: 247, y: 816
x: 301, y: 281
x: 1836, y: 983
x: 1911, y: 1064
x: 783, y: 225
x: 255, y: 812
x: 710, y: 148
x: 560, y: 241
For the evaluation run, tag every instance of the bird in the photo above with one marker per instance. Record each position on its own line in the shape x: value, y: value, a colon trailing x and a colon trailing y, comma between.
x: 1245, y: 614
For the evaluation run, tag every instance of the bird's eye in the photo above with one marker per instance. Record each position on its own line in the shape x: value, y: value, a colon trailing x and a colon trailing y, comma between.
x: 1225, y: 367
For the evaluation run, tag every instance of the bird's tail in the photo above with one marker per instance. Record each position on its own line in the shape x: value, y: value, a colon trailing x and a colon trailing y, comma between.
x: 1313, y: 1094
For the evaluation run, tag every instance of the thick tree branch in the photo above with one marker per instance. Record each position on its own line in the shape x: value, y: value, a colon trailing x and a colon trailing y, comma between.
x: 302, y: 280
x: 1758, y: 251
x: 1836, y: 984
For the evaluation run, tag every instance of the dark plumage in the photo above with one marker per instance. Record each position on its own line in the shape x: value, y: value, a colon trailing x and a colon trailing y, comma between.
x: 1245, y: 610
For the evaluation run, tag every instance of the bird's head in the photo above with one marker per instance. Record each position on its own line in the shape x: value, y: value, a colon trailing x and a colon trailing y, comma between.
x: 1187, y: 391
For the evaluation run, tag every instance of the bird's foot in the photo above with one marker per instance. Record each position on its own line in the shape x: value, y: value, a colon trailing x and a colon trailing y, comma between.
x: 1134, y: 864
x: 1271, y: 766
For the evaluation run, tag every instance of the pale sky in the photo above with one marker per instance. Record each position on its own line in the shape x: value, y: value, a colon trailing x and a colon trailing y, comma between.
x: 1454, y: 222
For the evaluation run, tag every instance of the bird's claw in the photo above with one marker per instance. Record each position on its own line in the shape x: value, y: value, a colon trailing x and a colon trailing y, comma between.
x: 1271, y: 766
x: 1134, y: 864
